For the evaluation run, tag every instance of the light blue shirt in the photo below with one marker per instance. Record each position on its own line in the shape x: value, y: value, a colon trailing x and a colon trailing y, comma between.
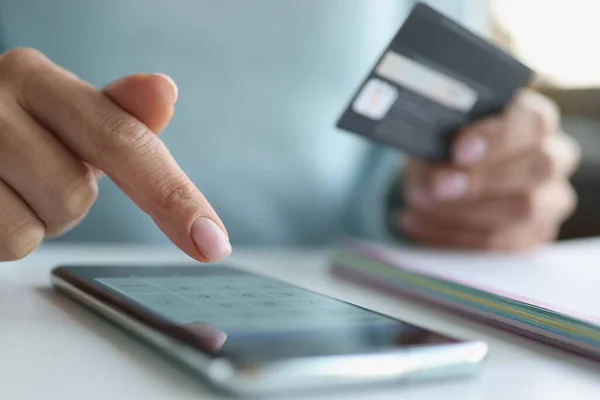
x: 261, y: 84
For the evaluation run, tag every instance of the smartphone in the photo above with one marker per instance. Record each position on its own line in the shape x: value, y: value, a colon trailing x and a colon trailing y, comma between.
x: 249, y: 334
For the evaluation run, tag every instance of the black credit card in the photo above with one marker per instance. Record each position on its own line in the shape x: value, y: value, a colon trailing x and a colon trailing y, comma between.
x: 434, y: 78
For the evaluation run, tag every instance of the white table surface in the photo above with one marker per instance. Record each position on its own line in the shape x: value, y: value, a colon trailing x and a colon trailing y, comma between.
x: 52, y: 349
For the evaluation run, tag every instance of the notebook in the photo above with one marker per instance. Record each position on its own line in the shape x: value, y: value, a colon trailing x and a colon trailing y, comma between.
x: 552, y: 295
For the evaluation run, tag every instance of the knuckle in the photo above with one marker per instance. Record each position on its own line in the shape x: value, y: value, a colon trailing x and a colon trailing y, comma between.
x: 526, y: 205
x: 21, y: 56
x: 22, y: 62
x: 543, y: 166
x: 119, y: 132
x: 23, y: 68
x: 545, y: 114
x: 21, y: 242
x: 175, y: 194
x: 541, y: 123
x: 74, y: 204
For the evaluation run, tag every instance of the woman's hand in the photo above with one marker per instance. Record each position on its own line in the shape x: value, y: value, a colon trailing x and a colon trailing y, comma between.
x: 507, y: 187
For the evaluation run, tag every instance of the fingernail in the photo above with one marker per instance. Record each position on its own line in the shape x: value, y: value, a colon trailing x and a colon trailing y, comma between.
x: 451, y: 186
x: 173, y: 85
x: 471, y: 150
x: 210, y: 239
x: 419, y: 197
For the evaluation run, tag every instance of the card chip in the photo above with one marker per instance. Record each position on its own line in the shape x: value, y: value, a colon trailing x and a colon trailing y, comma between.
x: 375, y: 99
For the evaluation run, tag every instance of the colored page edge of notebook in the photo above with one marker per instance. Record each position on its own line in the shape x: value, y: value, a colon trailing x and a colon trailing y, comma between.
x: 376, y: 252
x: 479, y: 301
x: 451, y: 292
x: 510, y: 325
x: 493, y: 313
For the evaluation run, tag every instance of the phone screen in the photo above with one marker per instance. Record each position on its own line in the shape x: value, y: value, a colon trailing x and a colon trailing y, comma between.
x: 244, y: 317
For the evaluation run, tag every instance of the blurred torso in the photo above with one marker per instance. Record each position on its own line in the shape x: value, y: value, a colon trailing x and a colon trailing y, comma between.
x: 260, y: 82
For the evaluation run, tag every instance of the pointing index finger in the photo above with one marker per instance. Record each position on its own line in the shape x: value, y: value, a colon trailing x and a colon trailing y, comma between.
x: 107, y: 137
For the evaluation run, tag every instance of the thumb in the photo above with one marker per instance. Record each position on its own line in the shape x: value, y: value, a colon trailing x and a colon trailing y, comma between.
x: 148, y: 97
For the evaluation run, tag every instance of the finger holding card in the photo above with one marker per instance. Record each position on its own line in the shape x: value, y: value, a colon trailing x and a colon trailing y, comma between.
x: 529, y: 120
x: 553, y: 159
x: 552, y: 202
x: 514, y: 195
x: 489, y: 165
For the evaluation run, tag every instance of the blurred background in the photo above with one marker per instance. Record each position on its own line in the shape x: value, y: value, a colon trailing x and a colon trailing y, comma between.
x: 556, y: 39
x: 264, y: 83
